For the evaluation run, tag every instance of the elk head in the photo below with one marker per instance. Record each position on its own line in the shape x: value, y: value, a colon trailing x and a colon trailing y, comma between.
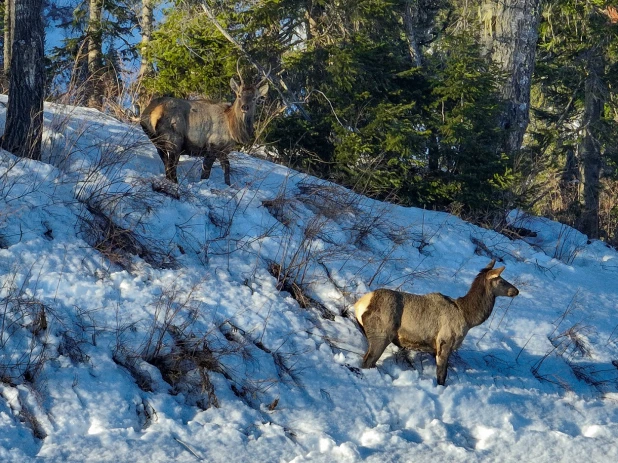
x: 248, y: 95
x: 498, y: 285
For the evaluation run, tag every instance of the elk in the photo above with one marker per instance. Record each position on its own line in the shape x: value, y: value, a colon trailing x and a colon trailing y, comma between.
x: 433, y: 322
x: 202, y: 127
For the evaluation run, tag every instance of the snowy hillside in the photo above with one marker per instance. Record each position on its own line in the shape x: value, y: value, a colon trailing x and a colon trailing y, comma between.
x: 143, y: 322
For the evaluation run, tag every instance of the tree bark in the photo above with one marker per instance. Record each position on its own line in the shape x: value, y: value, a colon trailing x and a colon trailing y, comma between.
x: 24, y: 119
x: 147, y: 22
x: 590, y: 149
x: 313, y: 13
x: 9, y: 25
x: 410, y: 12
x: 94, y: 89
x: 510, y: 34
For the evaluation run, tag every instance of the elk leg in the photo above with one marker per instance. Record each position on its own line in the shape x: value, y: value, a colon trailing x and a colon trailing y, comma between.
x: 225, y: 164
x: 442, y: 354
x: 169, y: 151
x: 171, y: 168
x: 209, y: 160
x: 163, y: 156
x: 377, y: 344
x: 168, y: 164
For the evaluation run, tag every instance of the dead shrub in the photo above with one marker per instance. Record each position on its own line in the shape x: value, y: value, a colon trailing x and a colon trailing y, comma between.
x: 186, y: 368
x: 117, y: 243
x: 23, y: 332
x: 572, y: 342
x: 281, y: 209
x: 285, y: 363
x: 286, y: 283
x: 132, y: 363
x: 330, y: 200
x: 71, y: 346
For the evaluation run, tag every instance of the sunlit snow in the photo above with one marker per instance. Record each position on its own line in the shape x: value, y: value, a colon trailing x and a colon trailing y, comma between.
x: 269, y: 380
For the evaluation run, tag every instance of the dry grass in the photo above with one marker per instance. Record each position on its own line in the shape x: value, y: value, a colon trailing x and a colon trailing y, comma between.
x: 186, y: 366
x: 572, y: 346
x: 286, y: 283
x: 24, y: 348
x: 329, y: 200
x: 118, y: 244
x: 71, y: 346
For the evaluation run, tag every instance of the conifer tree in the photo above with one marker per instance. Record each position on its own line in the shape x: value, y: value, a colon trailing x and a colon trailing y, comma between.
x: 371, y: 117
x: 576, y: 102
x: 97, y: 32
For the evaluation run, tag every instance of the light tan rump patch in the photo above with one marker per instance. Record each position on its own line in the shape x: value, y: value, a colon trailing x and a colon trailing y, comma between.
x: 155, y: 115
x: 361, y: 306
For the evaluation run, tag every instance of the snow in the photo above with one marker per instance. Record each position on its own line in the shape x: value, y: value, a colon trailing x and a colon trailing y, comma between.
x: 537, y: 381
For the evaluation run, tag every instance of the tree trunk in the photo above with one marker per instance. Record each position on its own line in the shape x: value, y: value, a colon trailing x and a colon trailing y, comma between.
x: 24, y: 119
x: 95, y: 55
x: 510, y: 34
x: 9, y: 25
x: 410, y: 12
x: 314, y: 12
x: 147, y: 22
x: 590, y: 149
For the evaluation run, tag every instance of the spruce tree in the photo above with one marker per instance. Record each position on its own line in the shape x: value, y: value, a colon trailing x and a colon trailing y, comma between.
x: 575, y: 103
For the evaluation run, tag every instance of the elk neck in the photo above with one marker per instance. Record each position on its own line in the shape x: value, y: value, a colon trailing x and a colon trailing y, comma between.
x: 239, y: 123
x: 478, y: 304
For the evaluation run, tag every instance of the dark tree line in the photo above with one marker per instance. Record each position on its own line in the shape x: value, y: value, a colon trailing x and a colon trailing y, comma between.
x: 472, y: 107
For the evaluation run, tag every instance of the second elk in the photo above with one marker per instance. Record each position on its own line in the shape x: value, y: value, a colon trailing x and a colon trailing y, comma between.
x: 433, y: 322
x: 202, y: 127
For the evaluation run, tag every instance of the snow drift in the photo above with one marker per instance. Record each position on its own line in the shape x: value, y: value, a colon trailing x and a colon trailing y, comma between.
x: 147, y: 321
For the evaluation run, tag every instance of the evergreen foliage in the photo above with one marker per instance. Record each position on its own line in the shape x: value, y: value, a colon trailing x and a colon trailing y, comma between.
x: 68, y: 68
x: 190, y: 57
x: 572, y: 34
x: 398, y: 99
x: 375, y: 119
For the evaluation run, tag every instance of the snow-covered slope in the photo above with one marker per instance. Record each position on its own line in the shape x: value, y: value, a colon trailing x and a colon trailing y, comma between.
x: 173, y: 341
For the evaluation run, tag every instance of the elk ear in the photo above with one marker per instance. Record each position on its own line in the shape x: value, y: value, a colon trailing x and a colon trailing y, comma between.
x: 263, y: 90
x: 234, y: 86
x: 495, y: 273
x: 490, y: 265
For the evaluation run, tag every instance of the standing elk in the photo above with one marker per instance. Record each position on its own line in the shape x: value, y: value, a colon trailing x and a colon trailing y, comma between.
x: 202, y: 127
x: 433, y: 322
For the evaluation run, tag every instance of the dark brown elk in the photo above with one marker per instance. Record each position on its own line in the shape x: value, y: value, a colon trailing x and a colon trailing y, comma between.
x: 433, y: 322
x: 202, y: 127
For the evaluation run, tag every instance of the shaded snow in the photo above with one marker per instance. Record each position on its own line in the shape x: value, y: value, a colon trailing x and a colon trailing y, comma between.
x: 288, y: 386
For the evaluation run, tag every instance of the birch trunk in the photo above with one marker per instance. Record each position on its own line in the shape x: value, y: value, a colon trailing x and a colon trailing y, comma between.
x: 510, y: 36
x: 147, y: 23
x: 9, y: 25
x: 94, y: 90
x: 410, y: 13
